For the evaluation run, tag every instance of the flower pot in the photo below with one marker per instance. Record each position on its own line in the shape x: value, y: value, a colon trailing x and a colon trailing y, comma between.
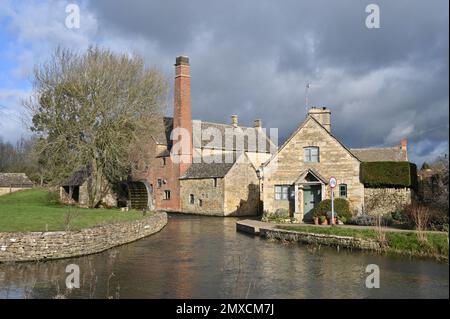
x: 332, y: 221
x: 316, y: 220
x: 325, y: 222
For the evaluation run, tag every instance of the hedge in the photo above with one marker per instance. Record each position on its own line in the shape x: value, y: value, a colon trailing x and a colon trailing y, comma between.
x: 341, y: 207
x: 388, y: 174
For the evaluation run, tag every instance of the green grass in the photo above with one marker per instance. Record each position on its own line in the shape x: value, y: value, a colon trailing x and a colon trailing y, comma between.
x: 436, y: 244
x: 39, y: 210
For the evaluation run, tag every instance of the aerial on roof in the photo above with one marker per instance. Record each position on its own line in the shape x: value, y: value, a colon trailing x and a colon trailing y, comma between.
x: 15, y: 180
x: 396, y: 154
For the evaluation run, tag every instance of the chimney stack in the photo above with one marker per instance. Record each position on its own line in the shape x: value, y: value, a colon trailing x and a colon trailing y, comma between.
x: 404, y: 144
x: 182, y: 117
x: 234, y: 120
x: 258, y: 123
x: 321, y: 115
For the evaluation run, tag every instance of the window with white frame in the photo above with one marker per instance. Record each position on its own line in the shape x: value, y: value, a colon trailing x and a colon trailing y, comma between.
x: 311, y: 154
x: 281, y: 192
x: 343, y: 190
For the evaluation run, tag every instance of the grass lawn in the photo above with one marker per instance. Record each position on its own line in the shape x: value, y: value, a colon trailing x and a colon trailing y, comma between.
x: 436, y: 244
x: 39, y: 210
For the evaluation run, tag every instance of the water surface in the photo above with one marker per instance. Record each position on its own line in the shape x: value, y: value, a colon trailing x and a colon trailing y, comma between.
x: 204, y: 257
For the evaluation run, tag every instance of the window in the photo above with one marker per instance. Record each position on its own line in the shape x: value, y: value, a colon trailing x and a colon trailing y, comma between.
x: 159, y: 182
x: 311, y: 154
x: 191, y: 199
x: 167, y: 194
x: 200, y: 202
x: 215, y: 182
x: 342, y: 190
x: 281, y: 192
x: 163, y: 161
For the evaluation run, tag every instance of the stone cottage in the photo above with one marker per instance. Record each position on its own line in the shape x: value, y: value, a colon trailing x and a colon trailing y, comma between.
x: 13, y: 182
x: 222, y: 189
x: 296, y: 177
x: 197, y: 184
x: 74, y: 190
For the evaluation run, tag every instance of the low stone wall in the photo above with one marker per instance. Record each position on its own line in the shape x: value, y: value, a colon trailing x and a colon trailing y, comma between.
x: 8, y: 190
x: 320, y: 239
x: 32, y: 246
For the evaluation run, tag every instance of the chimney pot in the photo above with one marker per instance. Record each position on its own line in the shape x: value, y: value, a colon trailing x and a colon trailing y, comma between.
x: 182, y: 60
x: 258, y: 123
x: 234, y: 120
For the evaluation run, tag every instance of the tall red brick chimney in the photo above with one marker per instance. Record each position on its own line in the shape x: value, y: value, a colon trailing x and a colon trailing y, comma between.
x: 182, y: 115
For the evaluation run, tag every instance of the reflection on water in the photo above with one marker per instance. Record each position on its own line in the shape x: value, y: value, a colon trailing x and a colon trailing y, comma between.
x: 204, y: 257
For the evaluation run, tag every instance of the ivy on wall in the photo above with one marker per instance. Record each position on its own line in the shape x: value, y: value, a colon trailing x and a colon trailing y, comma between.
x: 388, y: 174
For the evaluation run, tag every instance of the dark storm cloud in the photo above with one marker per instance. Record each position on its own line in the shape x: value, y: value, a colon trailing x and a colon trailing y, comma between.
x: 253, y: 58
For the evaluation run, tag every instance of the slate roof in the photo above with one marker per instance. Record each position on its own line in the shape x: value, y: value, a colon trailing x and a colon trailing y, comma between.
x: 228, y: 142
x: 15, y: 180
x: 163, y: 136
x: 77, y: 178
x: 378, y: 154
x: 207, y: 170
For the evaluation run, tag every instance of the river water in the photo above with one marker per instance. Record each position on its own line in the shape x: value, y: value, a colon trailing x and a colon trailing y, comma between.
x: 204, y: 257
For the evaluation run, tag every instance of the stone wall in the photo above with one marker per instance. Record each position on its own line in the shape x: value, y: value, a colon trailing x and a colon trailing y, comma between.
x: 242, y: 191
x: 334, y: 160
x: 31, y: 246
x: 211, y: 197
x: 7, y: 190
x: 110, y: 198
x: 379, y: 201
x: 320, y: 239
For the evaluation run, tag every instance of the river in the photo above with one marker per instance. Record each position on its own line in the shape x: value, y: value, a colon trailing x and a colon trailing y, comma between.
x: 204, y: 257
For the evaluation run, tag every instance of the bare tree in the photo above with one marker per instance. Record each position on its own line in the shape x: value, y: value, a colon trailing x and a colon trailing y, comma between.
x: 92, y: 110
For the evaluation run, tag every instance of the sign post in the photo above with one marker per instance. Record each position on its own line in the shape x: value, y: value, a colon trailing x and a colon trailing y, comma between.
x: 333, y: 184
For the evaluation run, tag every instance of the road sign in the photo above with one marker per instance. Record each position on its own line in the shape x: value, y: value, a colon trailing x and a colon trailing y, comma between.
x: 333, y: 182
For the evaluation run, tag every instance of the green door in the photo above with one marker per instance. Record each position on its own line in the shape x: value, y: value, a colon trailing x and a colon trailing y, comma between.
x: 311, y: 197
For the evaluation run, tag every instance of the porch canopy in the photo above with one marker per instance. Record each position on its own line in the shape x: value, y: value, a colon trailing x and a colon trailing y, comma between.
x: 305, y: 181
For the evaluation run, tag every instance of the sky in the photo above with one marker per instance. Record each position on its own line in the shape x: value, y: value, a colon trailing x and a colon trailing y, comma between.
x: 254, y: 58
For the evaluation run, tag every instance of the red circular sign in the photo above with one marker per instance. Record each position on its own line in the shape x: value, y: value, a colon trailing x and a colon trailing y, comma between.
x: 333, y: 182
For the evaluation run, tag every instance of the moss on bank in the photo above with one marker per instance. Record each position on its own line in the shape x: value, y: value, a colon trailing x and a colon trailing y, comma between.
x: 407, y: 243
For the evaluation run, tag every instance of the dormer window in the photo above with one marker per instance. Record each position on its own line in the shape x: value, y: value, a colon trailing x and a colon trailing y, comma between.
x: 311, y: 154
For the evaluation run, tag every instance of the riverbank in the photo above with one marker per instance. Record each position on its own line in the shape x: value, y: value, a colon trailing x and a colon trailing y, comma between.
x: 411, y: 243
x: 37, y: 246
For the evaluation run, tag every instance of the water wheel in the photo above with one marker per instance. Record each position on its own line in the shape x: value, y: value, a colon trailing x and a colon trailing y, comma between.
x: 138, y: 195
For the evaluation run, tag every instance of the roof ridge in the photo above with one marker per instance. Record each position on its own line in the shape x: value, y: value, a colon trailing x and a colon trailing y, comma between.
x: 373, y: 148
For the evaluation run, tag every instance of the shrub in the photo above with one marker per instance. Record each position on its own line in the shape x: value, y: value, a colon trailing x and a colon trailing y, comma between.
x: 370, y: 220
x: 397, y: 216
x: 390, y: 174
x: 281, y: 213
x: 341, y: 207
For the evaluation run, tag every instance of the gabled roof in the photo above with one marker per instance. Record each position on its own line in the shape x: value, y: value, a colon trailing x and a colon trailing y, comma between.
x: 207, y: 170
x: 308, y: 117
x: 15, y: 180
x: 227, y: 143
x: 314, y: 173
x: 77, y: 178
x: 235, y: 134
x: 379, y: 154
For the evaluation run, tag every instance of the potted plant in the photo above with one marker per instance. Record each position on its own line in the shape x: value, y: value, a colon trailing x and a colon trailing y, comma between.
x: 323, y: 220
